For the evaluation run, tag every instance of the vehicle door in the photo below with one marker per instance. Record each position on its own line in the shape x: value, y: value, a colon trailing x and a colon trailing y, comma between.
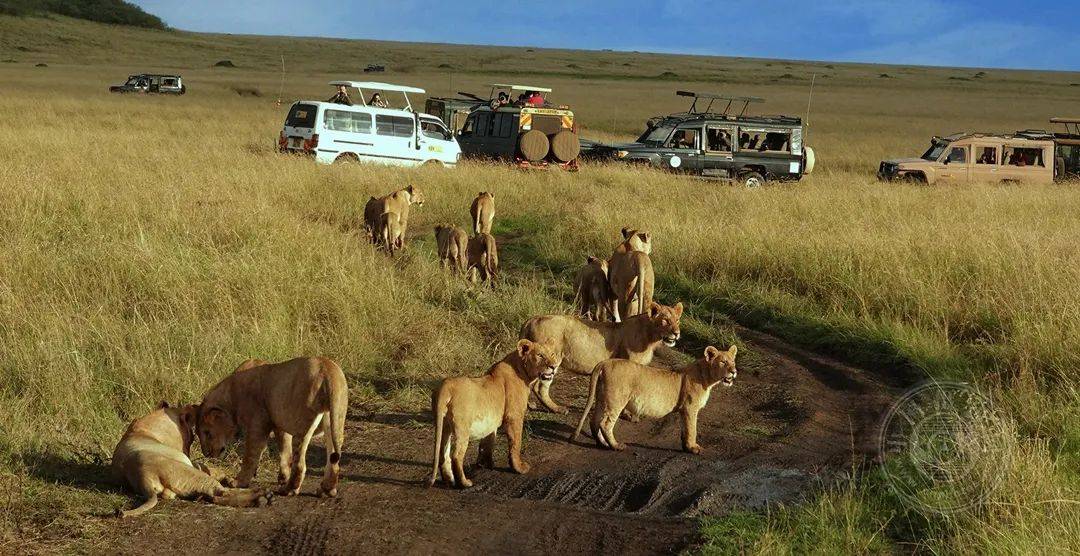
x: 436, y: 142
x: 345, y: 131
x: 987, y: 165
x: 684, y: 149
x: 955, y: 163
x: 502, y: 136
x: 169, y: 85
x: 395, y: 138
x: 719, y: 151
x: 155, y: 83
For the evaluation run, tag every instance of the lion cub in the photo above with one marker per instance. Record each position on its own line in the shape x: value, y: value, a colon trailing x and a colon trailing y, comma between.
x: 618, y: 384
x: 452, y: 242
x: 390, y: 232
x: 476, y: 408
x: 595, y: 299
x: 152, y: 457
x: 289, y: 399
x: 483, y: 259
x: 483, y: 212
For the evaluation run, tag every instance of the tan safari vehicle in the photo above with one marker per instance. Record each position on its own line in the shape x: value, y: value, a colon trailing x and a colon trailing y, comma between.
x: 1024, y: 156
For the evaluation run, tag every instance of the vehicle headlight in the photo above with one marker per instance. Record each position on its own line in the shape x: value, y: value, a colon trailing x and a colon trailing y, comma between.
x: 622, y: 154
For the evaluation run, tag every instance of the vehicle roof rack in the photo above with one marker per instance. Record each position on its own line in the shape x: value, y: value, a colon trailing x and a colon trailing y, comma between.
x: 521, y: 87
x: 1072, y: 125
x: 712, y: 98
x: 377, y: 86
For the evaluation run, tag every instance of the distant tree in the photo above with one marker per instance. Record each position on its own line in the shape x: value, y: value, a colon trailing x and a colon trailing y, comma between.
x: 117, y: 12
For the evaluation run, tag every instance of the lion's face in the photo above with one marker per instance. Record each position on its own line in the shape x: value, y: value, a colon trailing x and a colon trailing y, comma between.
x: 416, y: 197
x: 665, y: 321
x: 215, y: 429
x: 540, y: 360
x: 639, y: 240
x: 721, y: 365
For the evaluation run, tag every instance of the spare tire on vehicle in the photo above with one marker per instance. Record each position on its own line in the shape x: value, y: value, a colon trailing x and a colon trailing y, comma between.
x: 565, y: 146
x: 533, y: 145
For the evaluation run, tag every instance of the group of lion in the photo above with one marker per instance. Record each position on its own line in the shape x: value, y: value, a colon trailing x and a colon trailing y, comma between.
x: 613, y: 341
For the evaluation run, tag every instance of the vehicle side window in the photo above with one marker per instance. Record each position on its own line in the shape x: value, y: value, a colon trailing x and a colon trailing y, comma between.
x: 986, y: 155
x: 958, y: 155
x: 434, y: 130
x: 717, y: 139
x: 353, y: 122
x: 301, y: 115
x: 503, y: 126
x: 483, y: 122
x: 1021, y: 156
x: 393, y: 126
x: 685, y: 138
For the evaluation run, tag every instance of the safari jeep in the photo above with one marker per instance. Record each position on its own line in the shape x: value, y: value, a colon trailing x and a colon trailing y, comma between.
x: 1025, y: 156
x: 361, y: 131
x: 151, y: 83
x: 516, y: 123
x: 718, y: 143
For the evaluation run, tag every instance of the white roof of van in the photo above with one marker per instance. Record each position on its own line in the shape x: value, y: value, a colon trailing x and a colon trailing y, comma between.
x: 378, y: 86
x: 521, y: 87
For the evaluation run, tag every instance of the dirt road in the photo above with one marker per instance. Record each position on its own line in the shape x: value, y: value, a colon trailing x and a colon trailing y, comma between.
x: 794, y: 419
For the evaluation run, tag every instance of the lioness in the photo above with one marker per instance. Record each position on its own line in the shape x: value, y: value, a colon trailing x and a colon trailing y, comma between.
x: 618, y: 384
x: 390, y: 232
x: 584, y: 343
x: 452, y: 242
x: 398, y: 203
x: 372, y: 210
x: 152, y: 457
x: 476, y: 408
x: 630, y: 272
x: 593, y: 292
x: 289, y: 398
x: 483, y: 212
x: 483, y: 258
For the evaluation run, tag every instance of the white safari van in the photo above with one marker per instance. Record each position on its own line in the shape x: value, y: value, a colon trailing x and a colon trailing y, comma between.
x: 367, y: 130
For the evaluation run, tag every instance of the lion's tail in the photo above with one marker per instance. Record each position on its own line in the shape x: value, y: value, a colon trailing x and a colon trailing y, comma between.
x: 440, y: 400
x: 640, y: 292
x: 593, y: 381
x: 339, y: 402
x: 476, y: 217
x: 151, y: 501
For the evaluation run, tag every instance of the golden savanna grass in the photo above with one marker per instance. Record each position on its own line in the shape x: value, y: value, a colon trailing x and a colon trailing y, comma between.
x: 149, y: 244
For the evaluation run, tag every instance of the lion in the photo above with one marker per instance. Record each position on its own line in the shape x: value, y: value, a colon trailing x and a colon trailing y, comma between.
x: 153, y: 457
x: 390, y: 232
x: 584, y: 343
x: 452, y: 243
x: 630, y: 273
x: 467, y: 408
x: 617, y: 385
x: 483, y: 212
x: 593, y: 293
x: 398, y: 203
x: 483, y: 259
x: 289, y: 399
x: 372, y: 210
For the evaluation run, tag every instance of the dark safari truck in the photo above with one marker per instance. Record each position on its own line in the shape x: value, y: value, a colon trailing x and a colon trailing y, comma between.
x: 151, y: 83
x: 718, y: 143
x: 515, y: 123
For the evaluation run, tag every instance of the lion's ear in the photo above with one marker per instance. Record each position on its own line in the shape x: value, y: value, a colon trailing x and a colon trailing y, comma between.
x: 733, y: 350
x: 591, y: 259
x: 654, y: 309
x: 524, y: 347
x: 409, y: 189
x: 492, y: 196
x: 188, y: 415
x: 711, y: 353
x: 626, y: 233
x: 645, y: 236
x: 163, y: 405
x: 678, y: 308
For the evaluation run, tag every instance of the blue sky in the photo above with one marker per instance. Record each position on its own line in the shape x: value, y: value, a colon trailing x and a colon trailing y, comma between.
x: 1027, y: 34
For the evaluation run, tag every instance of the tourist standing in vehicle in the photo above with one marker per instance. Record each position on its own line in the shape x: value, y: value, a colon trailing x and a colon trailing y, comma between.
x: 341, y: 96
x: 377, y: 101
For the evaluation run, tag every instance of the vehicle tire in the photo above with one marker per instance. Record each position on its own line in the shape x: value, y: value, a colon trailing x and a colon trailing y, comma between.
x: 433, y: 164
x: 751, y: 179
x: 565, y: 146
x: 1059, y: 167
x: 534, y: 145
x: 347, y: 158
x: 809, y: 159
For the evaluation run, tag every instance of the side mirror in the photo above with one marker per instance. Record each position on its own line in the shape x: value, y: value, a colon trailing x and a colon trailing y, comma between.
x: 945, y: 161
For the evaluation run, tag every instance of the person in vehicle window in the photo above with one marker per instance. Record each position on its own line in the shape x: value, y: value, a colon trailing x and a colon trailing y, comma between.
x: 377, y: 101
x: 535, y: 99
x: 988, y: 157
x: 502, y: 100
x: 341, y: 96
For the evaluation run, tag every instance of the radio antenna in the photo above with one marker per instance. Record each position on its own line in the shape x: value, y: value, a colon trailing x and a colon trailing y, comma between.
x: 809, y: 100
x: 281, y: 88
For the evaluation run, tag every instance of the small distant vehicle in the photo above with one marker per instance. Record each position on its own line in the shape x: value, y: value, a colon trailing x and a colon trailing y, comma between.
x: 337, y: 132
x: 523, y: 127
x: 374, y: 68
x: 720, y: 144
x: 1024, y: 156
x: 151, y: 83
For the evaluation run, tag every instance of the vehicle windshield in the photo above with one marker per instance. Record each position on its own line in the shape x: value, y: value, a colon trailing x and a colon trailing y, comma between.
x: 133, y: 80
x: 656, y: 136
x: 434, y: 130
x: 302, y: 115
x: 935, y: 151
